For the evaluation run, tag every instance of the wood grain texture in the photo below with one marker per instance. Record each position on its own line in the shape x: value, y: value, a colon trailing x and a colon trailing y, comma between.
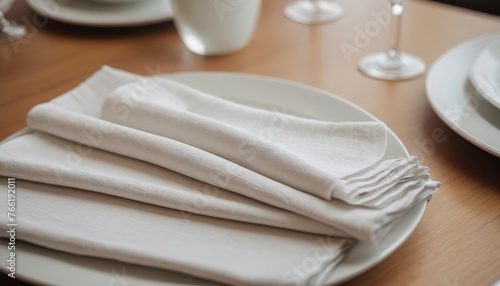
x: 457, y: 241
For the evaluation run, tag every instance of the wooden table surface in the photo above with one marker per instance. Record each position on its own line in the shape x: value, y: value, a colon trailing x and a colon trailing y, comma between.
x: 458, y: 240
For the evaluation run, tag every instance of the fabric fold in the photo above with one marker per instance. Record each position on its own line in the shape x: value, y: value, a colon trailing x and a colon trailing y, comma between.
x: 325, y: 159
x: 305, y: 154
x: 92, y: 224
x: 153, y: 172
x: 359, y: 222
x: 56, y: 161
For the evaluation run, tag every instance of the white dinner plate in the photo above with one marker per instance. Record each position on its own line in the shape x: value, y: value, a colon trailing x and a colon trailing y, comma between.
x: 456, y: 101
x: 485, y: 74
x: 53, y: 267
x: 104, y: 14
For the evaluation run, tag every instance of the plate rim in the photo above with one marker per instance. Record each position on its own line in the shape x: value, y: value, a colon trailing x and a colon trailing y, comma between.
x: 38, y: 7
x: 414, y: 214
x: 436, y: 107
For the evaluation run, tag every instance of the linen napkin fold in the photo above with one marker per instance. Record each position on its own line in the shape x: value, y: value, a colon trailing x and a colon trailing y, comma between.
x: 365, y: 224
x: 88, y: 223
x: 75, y: 116
x: 52, y: 160
x: 326, y: 159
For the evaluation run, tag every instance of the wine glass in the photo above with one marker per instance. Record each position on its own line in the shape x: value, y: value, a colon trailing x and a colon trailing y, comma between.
x: 313, y: 11
x: 393, y: 64
x: 9, y: 30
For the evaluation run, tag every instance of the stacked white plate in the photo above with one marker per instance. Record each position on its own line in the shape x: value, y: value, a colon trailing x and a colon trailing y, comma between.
x: 485, y: 73
x: 104, y: 13
x: 463, y: 87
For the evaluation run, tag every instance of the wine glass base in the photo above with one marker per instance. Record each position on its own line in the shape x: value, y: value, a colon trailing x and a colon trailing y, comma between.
x: 10, y: 31
x: 313, y: 12
x: 379, y: 66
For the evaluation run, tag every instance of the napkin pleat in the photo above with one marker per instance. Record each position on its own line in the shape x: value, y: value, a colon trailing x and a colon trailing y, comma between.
x: 211, y: 169
x: 91, y: 224
x: 375, y: 190
x: 109, y: 173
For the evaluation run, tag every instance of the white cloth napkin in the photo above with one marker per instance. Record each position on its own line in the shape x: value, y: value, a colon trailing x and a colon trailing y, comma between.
x: 88, y: 223
x: 156, y: 142
x: 366, y: 224
x: 389, y: 187
x: 52, y: 160
x: 313, y: 156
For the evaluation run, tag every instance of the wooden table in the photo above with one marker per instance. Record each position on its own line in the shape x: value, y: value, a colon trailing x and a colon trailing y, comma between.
x: 457, y: 241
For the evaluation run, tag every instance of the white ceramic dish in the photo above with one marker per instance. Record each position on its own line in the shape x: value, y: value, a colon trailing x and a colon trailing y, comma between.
x: 456, y: 101
x: 485, y: 74
x: 104, y: 14
x: 57, y: 268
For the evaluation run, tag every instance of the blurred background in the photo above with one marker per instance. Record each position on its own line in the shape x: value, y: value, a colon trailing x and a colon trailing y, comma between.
x: 487, y: 6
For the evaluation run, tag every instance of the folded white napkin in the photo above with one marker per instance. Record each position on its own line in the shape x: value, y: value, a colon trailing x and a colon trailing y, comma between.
x: 52, y: 160
x: 366, y: 224
x: 326, y: 159
x: 392, y: 186
x: 158, y: 142
x: 93, y: 224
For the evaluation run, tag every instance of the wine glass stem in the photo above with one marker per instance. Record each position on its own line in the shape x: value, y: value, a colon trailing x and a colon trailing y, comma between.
x: 2, y: 21
x: 396, y: 12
